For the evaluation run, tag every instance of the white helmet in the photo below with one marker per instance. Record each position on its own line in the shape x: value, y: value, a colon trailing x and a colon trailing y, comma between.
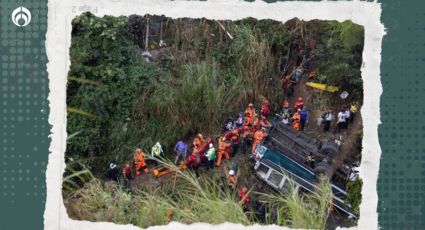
x: 211, y: 145
x: 112, y: 165
x: 231, y: 173
x: 158, y: 144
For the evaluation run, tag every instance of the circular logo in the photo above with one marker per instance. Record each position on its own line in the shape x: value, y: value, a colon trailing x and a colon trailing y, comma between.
x: 21, y: 16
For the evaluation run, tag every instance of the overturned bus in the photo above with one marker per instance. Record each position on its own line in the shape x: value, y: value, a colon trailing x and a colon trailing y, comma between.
x: 288, y: 159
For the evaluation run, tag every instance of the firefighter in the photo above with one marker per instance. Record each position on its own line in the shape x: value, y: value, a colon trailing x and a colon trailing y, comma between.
x: 222, y: 150
x: 265, y: 108
x: 244, y: 198
x: 235, y: 138
x: 249, y: 114
x: 299, y: 104
x: 258, y: 138
x: 232, y: 179
x: 156, y: 152
x: 296, y: 118
x: 139, y: 162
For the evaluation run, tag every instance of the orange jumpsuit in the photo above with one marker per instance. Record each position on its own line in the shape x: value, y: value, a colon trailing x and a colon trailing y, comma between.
x: 256, y: 124
x: 258, y: 138
x: 222, y: 150
x: 139, y: 162
x: 296, y: 121
x: 232, y: 180
x: 249, y: 115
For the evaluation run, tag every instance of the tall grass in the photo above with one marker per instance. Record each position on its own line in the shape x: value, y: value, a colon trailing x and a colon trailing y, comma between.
x: 191, y: 200
x: 307, y: 211
x: 194, y: 199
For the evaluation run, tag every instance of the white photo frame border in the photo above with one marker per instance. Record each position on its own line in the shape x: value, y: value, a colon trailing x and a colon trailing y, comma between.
x: 61, y: 13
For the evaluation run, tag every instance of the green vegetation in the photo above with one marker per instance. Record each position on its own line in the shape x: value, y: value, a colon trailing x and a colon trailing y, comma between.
x: 354, y: 195
x: 193, y: 200
x: 118, y: 101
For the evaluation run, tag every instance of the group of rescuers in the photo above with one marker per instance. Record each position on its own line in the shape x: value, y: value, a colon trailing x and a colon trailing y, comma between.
x: 248, y: 130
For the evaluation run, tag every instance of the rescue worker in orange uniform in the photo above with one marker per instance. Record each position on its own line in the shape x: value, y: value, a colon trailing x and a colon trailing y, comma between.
x: 222, y: 150
x: 232, y: 179
x: 139, y: 162
x: 296, y: 119
x: 249, y: 114
x: 256, y: 123
x: 299, y: 104
x: 258, y: 138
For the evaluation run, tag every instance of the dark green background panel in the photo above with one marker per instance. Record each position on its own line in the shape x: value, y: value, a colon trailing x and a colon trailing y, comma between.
x: 24, y: 113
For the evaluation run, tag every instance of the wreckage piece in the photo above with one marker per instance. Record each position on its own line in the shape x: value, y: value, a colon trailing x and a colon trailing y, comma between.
x: 320, y: 86
x: 164, y: 170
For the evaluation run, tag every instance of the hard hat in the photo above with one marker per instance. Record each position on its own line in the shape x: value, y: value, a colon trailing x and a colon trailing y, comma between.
x: 231, y: 173
x: 300, y: 99
x: 157, y: 144
x: 250, y: 105
x: 112, y: 165
x: 211, y: 145
x: 138, y: 150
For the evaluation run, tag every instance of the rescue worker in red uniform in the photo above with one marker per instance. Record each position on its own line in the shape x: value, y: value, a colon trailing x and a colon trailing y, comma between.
x: 299, y: 104
x: 244, y: 198
x: 265, y: 108
x: 235, y: 140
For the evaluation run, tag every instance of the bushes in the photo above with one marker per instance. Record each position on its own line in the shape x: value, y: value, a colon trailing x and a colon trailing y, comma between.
x: 119, y: 101
x: 354, y: 195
